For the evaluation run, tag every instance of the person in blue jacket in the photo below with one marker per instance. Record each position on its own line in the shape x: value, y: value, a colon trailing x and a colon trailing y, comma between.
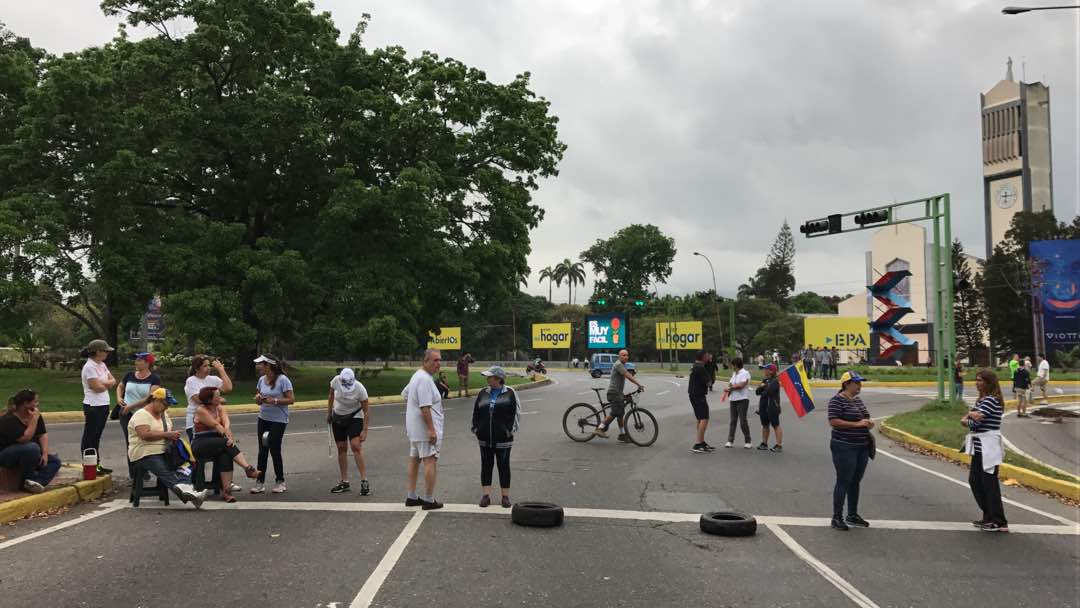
x: 494, y: 420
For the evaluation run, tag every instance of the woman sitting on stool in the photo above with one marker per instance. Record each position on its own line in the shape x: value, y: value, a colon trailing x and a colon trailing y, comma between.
x: 214, y: 440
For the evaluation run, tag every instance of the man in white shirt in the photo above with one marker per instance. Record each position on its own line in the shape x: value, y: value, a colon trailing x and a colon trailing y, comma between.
x: 738, y: 392
x: 1041, y: 380
x: 424, y: 427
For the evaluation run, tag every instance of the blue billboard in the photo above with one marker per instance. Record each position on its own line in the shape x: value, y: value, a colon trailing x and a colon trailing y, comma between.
x: 607, y: 331
x: 1055, y: 274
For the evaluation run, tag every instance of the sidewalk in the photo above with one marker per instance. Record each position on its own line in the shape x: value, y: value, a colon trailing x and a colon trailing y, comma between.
x: 65, y: 490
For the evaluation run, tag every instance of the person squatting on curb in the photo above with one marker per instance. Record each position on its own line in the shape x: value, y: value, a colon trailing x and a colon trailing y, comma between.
x: 24, y: 442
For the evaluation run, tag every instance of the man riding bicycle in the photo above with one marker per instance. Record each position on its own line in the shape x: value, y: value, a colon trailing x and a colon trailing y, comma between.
x: 619, y: 376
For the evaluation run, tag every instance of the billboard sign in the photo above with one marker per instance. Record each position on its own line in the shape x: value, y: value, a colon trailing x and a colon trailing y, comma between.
x: 607, y: 330
x: 842, y: 332
x: 551, y: 335
x: 449, y: 338
x: 1056, y: 276
x: 680, y: 335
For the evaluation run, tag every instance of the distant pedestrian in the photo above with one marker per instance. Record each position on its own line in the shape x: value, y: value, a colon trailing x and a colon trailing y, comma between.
x: 134, y: 389
x: 273, y: 395
x: 1041, y: 379
x: 24, y: 442
x: 769, y: 409
x: 443, y: 385
x: 958, y: 380
x: 347, y: 412
x: 822, y: 360
x: 698, y: 389
x: 199, y: 377
x: 834, y: 362
x: 1014, y: 364
x: 776, y: 357
x: 615, y: 397
x: 760, y: 359
x: 710, y: 369
x: 738, y: 391
x: 424, y: 428
x: 463, y: 363
x: 1021, y: 383
x: 807, y: 359
x: 985, y: 445
x: 850, y: 444
x: 97, y: 380
x: 495, y: 418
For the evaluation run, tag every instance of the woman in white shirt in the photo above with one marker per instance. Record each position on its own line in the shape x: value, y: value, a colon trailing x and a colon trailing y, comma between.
x: 96, y: 383
x: 347, y: 414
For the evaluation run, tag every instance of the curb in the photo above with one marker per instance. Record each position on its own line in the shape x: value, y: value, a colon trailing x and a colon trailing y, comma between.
x: 65, y: 496
x: 299, y: 406
x: 1027, y: 477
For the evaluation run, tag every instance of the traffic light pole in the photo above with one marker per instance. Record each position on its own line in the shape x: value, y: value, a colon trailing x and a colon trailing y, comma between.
x: 936, y: 210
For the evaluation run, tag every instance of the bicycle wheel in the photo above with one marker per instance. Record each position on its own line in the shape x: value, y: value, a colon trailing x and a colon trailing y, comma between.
x: 579, y: 421
x: 641, y: 427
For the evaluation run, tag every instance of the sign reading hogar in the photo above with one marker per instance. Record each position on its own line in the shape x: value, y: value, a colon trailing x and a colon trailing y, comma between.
x: 449, y: 338
x: 607, y: 331
x: 551, y: 335
x: 679, y: 335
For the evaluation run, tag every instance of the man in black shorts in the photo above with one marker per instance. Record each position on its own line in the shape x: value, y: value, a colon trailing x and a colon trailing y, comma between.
x: 769, y: 409
x: 619, y: 376
x: 698, y: 390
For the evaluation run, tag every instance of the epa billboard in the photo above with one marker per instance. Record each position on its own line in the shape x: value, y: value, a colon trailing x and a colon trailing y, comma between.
x: 842, y: 332
x: 679, y: 335
x: 551, y: 335
x: 449, y: 338
x: 607, y: 331
x: 1056, y: 275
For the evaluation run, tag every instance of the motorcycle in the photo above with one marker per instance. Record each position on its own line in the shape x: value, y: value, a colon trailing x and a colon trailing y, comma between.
x: 536, y: 368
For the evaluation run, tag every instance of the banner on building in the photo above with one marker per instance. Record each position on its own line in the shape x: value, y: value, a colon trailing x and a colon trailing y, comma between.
x: 607, y: 331
x: 679, y: 335
x: 1056, y: 275
x: 449, y: 338
x: 842, y: 332
x: 551, y: 335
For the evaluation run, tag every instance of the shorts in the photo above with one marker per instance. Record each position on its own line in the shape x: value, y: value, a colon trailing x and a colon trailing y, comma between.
x: 769, y: 417
x: 425, y: 449
x: 701, y: 408
x: 618, y: 408
x: 347, y: 428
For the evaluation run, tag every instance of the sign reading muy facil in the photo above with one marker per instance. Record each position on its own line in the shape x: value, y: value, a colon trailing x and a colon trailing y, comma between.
x: 449, y: 338
x: 551, y: 335
x: 607, y: 331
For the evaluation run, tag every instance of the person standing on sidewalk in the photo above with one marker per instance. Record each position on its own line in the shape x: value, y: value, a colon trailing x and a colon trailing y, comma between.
x: 1041, y: 379
x: 1021, y: 383
x: 769, y: 409
x: 850, y: 445
x: 97, y: 380
x: 24, y: 442
x: 619, y: 376
x: 738, y: 391
x: 986, y: 447
x: 273, y: 395
x: 424, y: 428
x: 698, y: 389
x: 347, y: 412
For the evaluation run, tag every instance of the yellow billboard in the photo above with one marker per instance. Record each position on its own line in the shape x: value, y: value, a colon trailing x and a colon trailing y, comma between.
x: 842, y: 332
x: 551, y: 335
x: 678, y: 335
x: 449, y: 338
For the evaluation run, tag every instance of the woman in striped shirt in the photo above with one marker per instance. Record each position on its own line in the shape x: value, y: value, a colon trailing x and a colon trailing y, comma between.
x: 984, y: 422
x: 850, y: 446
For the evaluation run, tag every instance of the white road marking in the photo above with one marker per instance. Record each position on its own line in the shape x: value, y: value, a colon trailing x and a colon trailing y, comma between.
x: 106, y: 508
x: 528, y: 413
x: 325, y: 432
x: 662, y: 393
x: 371, y: 587
x: 530, y: 400
x: 899, y: 524
x: 830, y: 575
x: 673, y: 382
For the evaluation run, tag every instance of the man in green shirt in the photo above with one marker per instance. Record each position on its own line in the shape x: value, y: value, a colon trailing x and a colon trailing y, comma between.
x: 1014, y: 364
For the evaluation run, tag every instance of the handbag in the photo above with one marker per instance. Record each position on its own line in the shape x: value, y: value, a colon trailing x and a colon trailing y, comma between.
x: 873, y: 446
x: 115, y: 414
x: 175, y: 455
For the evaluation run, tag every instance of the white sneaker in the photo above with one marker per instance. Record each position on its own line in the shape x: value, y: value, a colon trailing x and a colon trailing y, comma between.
x: 33, y: 487
x: 197, y: 498
x: 747, y: 446
x: 235, y: 487
x: 728, y: 445
x: 185, y: 488
x: 279, y: 488
x: 258, y: 488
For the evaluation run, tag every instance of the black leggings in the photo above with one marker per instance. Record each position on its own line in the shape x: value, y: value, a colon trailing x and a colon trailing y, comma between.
x: 277, y: 433
x: 488, y: 458
x: 214, y: 450
x: 987, y: 492
x: 96, y: 416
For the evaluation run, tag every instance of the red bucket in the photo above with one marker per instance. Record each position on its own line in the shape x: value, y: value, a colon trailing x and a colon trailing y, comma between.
x: 89, y: 464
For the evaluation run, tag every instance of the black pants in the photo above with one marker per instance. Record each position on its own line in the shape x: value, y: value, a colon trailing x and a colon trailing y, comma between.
x: 850, y: 462
x: 96, y: 416
x: 738, y: 416
x: 214, y: 449
x: 124, y: 420
x: 488, y: 458
x: 277, y: 433
x: 987, y: 492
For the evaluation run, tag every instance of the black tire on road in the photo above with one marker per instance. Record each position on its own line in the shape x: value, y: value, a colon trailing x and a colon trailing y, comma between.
x: 641, y: 427
x: 537, y: 514
x: 579, y: 422
x: 728, y: 523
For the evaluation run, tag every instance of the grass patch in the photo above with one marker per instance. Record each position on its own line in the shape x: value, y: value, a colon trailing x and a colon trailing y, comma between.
x: 62, y: 390
x: 1024, y: 462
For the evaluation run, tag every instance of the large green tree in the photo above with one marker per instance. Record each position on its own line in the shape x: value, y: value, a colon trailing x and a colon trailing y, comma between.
x: 969, y: 312
x: 776, y: 279
x: 260, y: 172
x: 628, y: 263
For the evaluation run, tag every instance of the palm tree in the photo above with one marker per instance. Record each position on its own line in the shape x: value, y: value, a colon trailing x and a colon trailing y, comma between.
x: 547, y: 274
x: 573, y: 273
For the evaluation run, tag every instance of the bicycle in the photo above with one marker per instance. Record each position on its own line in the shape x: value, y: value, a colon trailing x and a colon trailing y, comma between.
x: 581, y: 419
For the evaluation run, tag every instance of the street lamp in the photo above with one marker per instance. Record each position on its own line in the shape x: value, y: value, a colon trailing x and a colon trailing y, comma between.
x: 1016, y: 10
x: 716, y: 294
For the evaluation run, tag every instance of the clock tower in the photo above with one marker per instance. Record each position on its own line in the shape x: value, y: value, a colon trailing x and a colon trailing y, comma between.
x: 1016, y: 153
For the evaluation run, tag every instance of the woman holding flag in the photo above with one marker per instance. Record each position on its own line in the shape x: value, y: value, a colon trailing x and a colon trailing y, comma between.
x: 851, y: 447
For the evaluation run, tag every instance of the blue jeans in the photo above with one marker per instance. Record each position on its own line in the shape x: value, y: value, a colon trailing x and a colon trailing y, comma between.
x: 958, y: 390
x: 155, y: 464
x: 26, y: 457
x: 850, y: 463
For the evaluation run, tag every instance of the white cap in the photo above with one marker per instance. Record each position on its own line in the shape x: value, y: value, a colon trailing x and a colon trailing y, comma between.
x: 263, y: 359
x: 347, y: 376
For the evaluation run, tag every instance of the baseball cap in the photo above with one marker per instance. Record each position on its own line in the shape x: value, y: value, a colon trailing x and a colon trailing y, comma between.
x: 851, y: 377
x: 347, y: 376
x: 771, y: 367
x: 98, y: 345
x: 164, y: 393
x: 148, y: 357
x: 496, y: 371
x: 263, y: 359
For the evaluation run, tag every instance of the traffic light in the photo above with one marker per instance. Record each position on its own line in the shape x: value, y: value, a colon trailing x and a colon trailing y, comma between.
x: 872, y: 217
x: 598, y: 302
x: 834, y: 223
x: 814, y: 227
x: 639, y: 303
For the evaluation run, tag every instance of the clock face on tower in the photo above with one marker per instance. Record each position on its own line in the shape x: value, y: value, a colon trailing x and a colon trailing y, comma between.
x: 1006, y: 196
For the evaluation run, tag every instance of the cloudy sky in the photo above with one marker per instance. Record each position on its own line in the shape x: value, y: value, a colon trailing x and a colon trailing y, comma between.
x: 718, y: 120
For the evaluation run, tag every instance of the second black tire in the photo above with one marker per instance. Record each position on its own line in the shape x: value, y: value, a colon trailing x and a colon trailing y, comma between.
x: 728, y: 523
x: 537, y: 514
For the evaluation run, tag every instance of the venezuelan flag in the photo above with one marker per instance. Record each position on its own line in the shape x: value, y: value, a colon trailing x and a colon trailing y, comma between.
x: 797, y: 386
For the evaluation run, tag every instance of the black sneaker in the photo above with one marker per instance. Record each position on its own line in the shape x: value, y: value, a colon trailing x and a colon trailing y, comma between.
x: 413, y: 502
x: 708, y: 448
x: 341, y: 487
x: 838, y: 524
x: 763, y: 446
x: 993, y: 527
x: 699, y: 448
x: 978, y: 523
x: 855, y: 520
x: 623, y: 437
x: 430, y: 506
x: 777, y: 448
x: 102, y: 470
x: 365, y: 488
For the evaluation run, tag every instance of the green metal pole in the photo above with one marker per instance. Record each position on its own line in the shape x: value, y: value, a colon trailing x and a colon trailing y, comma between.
x: 950, y: 325
x: 938, y: 304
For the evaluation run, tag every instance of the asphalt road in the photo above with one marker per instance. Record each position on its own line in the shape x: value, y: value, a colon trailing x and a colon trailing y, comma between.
x: 632, y: 539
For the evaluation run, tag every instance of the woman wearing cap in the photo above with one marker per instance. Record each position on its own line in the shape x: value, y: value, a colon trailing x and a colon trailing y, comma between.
x: 850, y: 446
x: 769, y: 409
x: 274, y: 394
x: 985, y: 445
x: 149, y: 430
x: 494, y: 420
x: 134, y: 389
x: 199, y: 377
x: 24, y: 442
x: 96, y: 382
x: 347, y: 414
x: 214, y: 440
